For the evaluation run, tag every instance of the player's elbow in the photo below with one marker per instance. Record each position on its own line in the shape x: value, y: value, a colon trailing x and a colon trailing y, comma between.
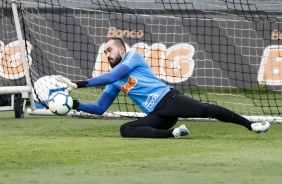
x: 100, y: 112
x: 93, y: 108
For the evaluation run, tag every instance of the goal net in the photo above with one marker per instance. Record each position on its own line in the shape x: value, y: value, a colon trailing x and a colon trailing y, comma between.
x: 221, y: 52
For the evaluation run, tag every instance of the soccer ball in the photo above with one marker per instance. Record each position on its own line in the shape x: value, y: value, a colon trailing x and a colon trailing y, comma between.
x: 60, y: 102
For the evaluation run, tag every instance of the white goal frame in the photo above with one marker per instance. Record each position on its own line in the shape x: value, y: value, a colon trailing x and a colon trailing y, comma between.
x: 25, y: 91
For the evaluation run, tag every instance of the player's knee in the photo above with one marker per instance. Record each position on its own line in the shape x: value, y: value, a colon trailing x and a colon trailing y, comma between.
x: 211, y: 111
x: 123, y: 130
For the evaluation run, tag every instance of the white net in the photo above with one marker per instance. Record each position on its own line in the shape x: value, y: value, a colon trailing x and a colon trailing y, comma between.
x: 222, y: 52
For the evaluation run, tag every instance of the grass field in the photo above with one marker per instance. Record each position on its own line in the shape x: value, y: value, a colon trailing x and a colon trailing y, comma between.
x: 72, y: 150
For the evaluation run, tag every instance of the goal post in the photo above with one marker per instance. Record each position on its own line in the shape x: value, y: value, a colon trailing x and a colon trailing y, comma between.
x: 13, y: 62
x: 227, y: 53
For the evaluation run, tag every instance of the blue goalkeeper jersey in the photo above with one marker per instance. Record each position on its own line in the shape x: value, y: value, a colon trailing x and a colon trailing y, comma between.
x: 140, y: 84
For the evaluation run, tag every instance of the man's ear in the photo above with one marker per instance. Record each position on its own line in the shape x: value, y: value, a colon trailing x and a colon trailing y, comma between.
x: 122, y: 50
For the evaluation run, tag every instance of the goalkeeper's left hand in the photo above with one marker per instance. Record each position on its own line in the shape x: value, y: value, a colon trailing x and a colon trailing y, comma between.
x: 71, y: 85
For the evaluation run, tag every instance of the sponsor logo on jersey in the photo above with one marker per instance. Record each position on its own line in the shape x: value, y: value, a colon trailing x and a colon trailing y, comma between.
x: 131, y: 82
x: 270, y: 70
x: 150, y: 101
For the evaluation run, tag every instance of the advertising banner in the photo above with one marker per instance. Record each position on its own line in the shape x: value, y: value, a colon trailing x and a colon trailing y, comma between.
x: 216, y: 52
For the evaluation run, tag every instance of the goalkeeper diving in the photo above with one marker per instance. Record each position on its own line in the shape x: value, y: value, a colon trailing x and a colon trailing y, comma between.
x: 162, y: 104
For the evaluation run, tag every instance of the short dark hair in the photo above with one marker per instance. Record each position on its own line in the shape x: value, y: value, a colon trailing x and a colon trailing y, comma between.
x: 117, y: 40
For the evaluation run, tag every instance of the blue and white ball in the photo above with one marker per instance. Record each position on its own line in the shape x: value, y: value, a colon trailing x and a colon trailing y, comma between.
x: 60, y: 102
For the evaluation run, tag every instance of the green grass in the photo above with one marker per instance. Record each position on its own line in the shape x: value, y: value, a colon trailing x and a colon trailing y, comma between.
x: 72, y: 150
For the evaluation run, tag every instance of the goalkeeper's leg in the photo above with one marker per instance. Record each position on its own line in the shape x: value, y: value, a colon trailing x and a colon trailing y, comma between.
x: 186, y: 107
x: 151, y: 126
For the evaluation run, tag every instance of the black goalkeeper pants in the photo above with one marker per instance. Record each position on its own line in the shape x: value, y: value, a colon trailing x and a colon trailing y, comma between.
x: 158, y: 123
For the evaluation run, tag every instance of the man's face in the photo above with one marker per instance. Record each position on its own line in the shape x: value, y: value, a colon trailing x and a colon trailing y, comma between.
x: 113, y: 53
